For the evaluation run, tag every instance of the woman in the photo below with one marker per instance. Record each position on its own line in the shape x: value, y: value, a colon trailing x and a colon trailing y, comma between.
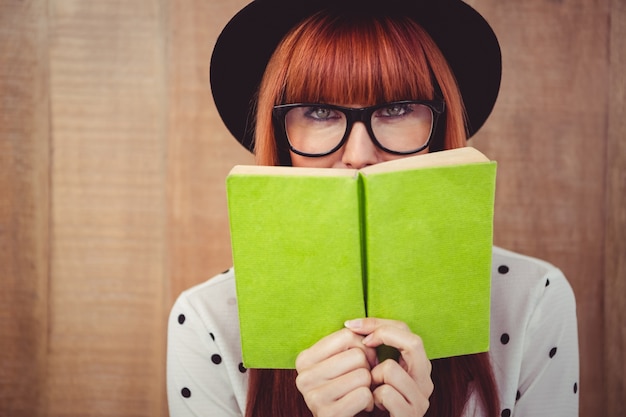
x: 435, y: 65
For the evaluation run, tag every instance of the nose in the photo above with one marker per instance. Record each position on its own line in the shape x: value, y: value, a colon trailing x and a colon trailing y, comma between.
x: 359, y: 150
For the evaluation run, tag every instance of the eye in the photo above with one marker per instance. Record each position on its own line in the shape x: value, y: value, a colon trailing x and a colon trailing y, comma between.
x: 320, y: 113
x: 395, y: 110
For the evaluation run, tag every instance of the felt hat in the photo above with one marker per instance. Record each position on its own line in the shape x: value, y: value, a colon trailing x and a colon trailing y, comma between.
x: 247, y: 42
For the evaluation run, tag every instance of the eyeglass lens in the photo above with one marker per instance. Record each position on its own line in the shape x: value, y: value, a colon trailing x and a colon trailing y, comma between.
x: 399, y: 127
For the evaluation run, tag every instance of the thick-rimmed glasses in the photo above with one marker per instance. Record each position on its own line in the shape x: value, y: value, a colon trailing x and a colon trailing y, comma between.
x: 399, y: 127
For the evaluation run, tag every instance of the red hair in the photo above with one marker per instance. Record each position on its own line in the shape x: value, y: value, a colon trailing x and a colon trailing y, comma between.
x: 273, y: 392
x: 356, y: 58
x: 362, y: 59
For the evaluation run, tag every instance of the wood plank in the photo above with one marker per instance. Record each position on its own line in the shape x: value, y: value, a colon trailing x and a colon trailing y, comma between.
x: 548, y: 133
x: 108, y: 228
x: 107, y: 316
x: 24, y: 207
x: 201, y: 150
x: 615, y: 246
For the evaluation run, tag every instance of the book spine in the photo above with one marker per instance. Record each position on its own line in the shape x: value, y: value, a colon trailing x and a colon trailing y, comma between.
x: 363, y: 234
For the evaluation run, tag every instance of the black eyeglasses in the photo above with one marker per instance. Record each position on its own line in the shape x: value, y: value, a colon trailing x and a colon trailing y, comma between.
x: 399, y: 127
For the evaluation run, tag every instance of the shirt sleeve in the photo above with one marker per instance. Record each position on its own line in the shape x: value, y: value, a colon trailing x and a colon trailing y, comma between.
x: 198, y: 378
x: 549, y: 372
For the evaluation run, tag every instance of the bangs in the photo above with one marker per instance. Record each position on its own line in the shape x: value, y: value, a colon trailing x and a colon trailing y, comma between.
x: 357, y: 59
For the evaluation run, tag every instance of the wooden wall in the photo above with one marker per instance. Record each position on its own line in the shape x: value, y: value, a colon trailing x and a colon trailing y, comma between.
x: 112, y: 161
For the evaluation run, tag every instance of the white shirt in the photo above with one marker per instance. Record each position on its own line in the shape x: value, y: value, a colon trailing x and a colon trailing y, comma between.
x: 534, y: 344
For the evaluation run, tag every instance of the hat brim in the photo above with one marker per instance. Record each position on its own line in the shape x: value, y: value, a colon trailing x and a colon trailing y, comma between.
x: 246, y: 44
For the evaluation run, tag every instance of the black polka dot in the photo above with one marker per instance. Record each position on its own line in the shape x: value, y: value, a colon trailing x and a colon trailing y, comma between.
x: 503, y: 269
x: 547, y: 282
x: 518, y: 396
x: 212, y: 336
x: 575, y: 387
x: 217, y: 359
x: 242, y: 368
x: 181, y: 319
x: 506, y: 413
x: 504, y: 339
x: 185, y: 392
x: 552, y: 352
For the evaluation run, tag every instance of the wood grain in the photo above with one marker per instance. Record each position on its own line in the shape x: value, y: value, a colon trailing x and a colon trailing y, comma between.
x: 107, y: 319
x: 548, y: 135
x: 615, y: 243
x: 201, y: 150
x: 24, y: 202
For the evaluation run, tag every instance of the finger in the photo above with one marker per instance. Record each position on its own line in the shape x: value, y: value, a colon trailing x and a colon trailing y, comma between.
x: 354, y: 402
x: 411, y: 348
x: 334, y: 390
x: 360, y: 399
x: 346, y: 394
x: 415, y: 393
x: 365, y: 326
x: 329, y: 346
x: 332, y: 368
x: 388, y: 399
x: 391, y: 373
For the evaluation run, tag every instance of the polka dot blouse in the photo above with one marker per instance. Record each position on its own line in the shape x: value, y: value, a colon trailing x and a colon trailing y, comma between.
x: 534, y: 344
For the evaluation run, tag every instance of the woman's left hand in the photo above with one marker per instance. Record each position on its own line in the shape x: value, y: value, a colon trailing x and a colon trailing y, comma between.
x: 403, y: 387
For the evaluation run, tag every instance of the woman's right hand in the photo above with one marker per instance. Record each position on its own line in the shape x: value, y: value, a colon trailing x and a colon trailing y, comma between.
x: 334, y: 375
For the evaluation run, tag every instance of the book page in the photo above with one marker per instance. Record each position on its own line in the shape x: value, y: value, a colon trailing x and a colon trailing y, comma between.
x: 292, y: 171
x: 459, y: 156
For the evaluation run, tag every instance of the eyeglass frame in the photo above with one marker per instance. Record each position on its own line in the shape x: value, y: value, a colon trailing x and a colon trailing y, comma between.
x: 360, y: 114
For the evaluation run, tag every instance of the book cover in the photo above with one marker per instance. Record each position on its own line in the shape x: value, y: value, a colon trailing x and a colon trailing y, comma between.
x: 409, y: 240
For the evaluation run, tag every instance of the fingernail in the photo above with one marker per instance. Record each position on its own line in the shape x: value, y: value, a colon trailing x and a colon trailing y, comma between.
x: 367, y: 339
x: 354, y: 324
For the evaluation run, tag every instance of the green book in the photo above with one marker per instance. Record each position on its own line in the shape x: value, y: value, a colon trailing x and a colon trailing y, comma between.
x: 409, y: 239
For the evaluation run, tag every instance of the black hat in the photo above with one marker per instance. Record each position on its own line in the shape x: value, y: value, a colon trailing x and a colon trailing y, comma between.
x: 246, y: 44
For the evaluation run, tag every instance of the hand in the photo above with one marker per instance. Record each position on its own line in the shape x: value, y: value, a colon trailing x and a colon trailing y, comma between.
x: 404, y: 387
x: 334, y: 375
